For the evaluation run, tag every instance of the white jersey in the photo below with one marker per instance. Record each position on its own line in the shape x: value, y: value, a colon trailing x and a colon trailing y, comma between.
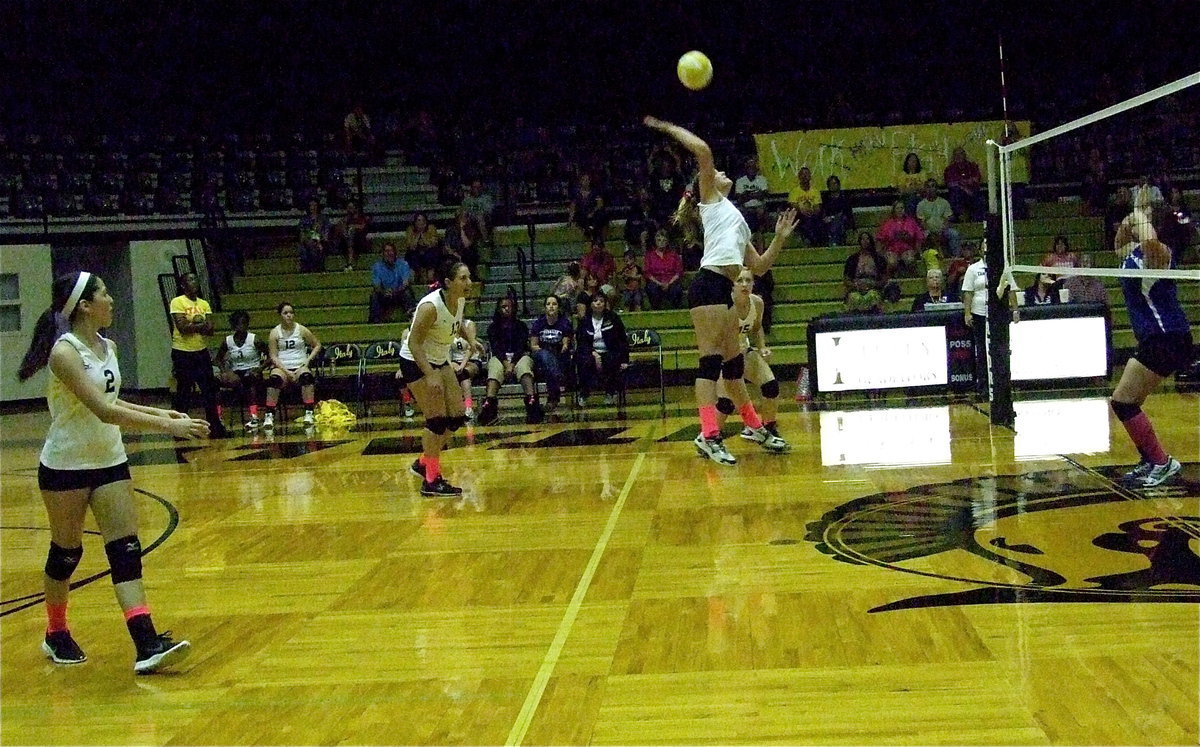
x: 726, y: 234
x: 745, y: 325
x: 244, y: 357
x: 446, y: 326
x: 293, y: 350
x: 77, y: 438
x: 460, y: 348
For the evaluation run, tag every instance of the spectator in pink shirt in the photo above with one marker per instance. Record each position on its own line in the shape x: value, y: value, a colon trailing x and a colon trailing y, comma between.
x: 598, y: 262
x: 900, y: 236
x: 664, y: 274
x: 1060, y: 254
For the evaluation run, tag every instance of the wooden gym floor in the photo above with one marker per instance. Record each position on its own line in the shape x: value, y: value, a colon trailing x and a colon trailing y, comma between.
x: 903, y: 576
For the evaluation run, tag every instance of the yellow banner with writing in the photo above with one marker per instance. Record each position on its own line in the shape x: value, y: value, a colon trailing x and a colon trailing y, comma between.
x: 873, y: 157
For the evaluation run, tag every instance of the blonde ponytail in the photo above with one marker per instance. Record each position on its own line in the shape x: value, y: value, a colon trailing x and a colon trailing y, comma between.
x: 687, y: 218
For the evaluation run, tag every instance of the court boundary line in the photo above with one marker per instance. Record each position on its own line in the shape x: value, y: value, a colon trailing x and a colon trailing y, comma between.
x: 533, y: 698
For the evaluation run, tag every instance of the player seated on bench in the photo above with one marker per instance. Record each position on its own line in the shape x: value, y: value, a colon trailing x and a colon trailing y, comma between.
x: 292, y: 348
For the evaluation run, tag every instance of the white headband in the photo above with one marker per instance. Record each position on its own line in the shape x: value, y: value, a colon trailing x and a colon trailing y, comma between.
x: 73, y: 299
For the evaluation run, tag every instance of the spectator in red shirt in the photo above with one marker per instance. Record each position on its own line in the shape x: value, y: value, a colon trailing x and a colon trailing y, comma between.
x: 598, y: 262
x: 963, y: 182
x: 664, y: 274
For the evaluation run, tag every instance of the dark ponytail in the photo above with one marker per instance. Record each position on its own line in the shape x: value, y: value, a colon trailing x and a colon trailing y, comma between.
x: 50, y: 325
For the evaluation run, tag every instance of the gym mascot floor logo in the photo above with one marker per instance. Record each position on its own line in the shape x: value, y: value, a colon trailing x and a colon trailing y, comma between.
x: 1069, y: 535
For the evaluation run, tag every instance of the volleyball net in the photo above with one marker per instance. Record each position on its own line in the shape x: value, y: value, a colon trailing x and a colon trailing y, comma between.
x: 1090, y: 174
x: 1058, y: 200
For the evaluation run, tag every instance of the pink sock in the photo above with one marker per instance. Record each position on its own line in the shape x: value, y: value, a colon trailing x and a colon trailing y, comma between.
x: 469, y: 401
x: 708, y: 421
x: 750, y: 415
x: 433, y: 468
x: 1142, y: 432
x: 254, y: 411
x: 56, y: 617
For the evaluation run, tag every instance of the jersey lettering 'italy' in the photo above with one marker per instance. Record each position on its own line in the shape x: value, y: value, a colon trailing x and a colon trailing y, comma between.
x: 1153, y: 303
x: 77, y: 438
x: 445, y: 326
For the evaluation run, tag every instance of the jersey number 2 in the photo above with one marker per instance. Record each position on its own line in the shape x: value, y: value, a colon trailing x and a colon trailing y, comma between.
x: 110, y: 380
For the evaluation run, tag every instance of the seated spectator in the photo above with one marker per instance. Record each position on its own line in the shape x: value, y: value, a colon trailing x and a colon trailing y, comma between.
x: 315, y: 231
x: 462, y: 240
x: 1154, y: 195
x: 602, y: 352
x: 935, y: 291
x: 508, y: 339
x: 1043, y: 291
x: 350, y: 233
x: 957, y: 268
x: 664, y: 274
x: 764, y: 288
x: 1095, y: 184
x: 1085, y: 288
x: 550, y: 338
x: 910, y: 182
x: 807, y: 200
x: 568, y: 285
x: 935, y: 214
x: 240, y: 361
x: 836, y: 211
x: 391, y: 285
x: 423, y: 249
x: 292, y: 348
x: 750, y: 194
x: 1118, y: 209
x: 963, y: 181
x: 587, y: 210
x: 866, y: 262
x: 900, y: 237
x: 864, y: 298
x: 667, y: 183
x: 639, y: 227
x: 599, y: 262
x: 633, y: 282
x: 356, y: 131
x: 1060, y: 254
x: 589, y: 288
x: 1177, y: 230
x: 479, y: 205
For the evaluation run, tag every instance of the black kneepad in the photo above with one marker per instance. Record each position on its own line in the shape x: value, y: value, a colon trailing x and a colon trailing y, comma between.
x: 125, y: 558
x: 437, y: 425
x: 456, y: 422
x: 725, y: 406
x: 710, y: 367
x: 275, y: 381
x: 61, y: 562
x: 770, y: 390
x: 463, y: 374
x: 734, y: 368
x: 1124, y: 411
x: 306, y: 379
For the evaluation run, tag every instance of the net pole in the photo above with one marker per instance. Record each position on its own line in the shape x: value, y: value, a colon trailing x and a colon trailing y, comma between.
x: 999, y: 349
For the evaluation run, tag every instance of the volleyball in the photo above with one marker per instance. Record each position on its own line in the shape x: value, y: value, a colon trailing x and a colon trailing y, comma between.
x: 694, y: 70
